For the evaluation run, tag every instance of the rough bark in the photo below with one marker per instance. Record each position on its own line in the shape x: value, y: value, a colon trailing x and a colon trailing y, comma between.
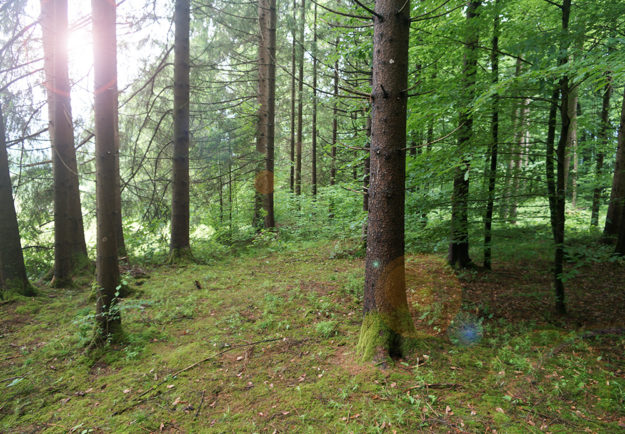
x: 459, y: 245
x: 266, y: 114
x: 293, y: 66
x: 387, y: 324
x: 108, y: 319
x: 70, y: 249
x: 12, y: 270
x: 613, y: 220
x: 603, y: 142
x: 179, y: 246
x: 314, y: 109
x: 494, y: 146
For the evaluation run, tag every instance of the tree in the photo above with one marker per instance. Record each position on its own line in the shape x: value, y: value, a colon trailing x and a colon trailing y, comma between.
x: 613, y: 222
x: 459, y: 245
x: 387, y: 324
x: 300, y: 103
x: 70, y: 249
x: 12, y: 270
x: 602, y: 136
x: 179, y: 243
x: 108, y: 318
x: 266, y: 112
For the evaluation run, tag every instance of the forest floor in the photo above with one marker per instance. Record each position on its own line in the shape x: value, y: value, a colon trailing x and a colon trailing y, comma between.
x: 264, y: 341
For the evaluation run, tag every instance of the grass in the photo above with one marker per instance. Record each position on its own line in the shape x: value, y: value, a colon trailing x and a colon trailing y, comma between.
x: 273, y: 331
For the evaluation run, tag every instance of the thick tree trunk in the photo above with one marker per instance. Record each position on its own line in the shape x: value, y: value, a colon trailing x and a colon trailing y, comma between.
x: 603, y: 142
x: 108, y: 319
x: 12, y: 270
x: 613, y: 220
x: 300, y: 107
x: 494, y: 147
x: 387, y: 323
x: 459, y: 245
x: 179, y: 246
x: 70, y: 249
x: 266, y: 114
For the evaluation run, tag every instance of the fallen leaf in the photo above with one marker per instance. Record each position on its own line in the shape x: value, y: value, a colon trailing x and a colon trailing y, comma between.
x: 176, y: 401
x: 500, y: 410
x: 127, y: 390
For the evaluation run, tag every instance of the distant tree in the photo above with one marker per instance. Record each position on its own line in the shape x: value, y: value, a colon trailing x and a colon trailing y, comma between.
x: 459, y: 245
x: 12, y: 270
x: 70, y: 249
x: 387, y: 322
x: 602, y: 136
x: 108, y: 318
x: 179, y: 242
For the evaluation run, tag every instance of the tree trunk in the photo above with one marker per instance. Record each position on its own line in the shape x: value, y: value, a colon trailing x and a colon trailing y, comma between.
x: 12, y: 270
x: 314, y: 110
x: 459, y: 245
x: 571, y: 146
x: 300, y: 108
x: 179, y: 246
x: 603, y: 142
x: 293, y: 63
x: 266, y: 115
x: 550, y: 149
x: 70, y: 249
x: 108, y: 319
x: 613, y: 220
x: 494, y: 147
x: 520, y: 136
x: 387, y: 324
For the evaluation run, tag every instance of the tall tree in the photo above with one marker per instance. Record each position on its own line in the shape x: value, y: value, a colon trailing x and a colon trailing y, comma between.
x: 387, y: 324
x: 12, y: 270
x: 108, y: 318
x: 602, y: 137
x: 179, y: 242
x: 613, y: 222
x: 300, y: 103
x: 459, y: 245
x: 293, y: 67
x: 494, y: 146
x: 266, y: 113
x: 70, y: 249
x: 314, y: 109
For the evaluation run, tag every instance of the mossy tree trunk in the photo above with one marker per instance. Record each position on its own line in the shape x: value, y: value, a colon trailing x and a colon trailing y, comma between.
x: 12, y: 270
x: 387, y: 324
x: 108, y: 319
x: 179, y: 246
x: 70, y: 249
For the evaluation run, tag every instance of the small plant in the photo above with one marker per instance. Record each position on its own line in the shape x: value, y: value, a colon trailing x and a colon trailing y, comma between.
x: 326, y: 329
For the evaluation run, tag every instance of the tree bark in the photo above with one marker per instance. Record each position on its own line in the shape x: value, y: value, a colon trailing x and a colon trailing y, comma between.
x: 108, y: 318
x: 12, y: 269
x: 571, y: 146
x: 603, y: 142
x: 387, y: 324
x: 494, y: 147
x: 293, y: 66
x: 459, y: 245
x: 613, y: 220
x: 314, y: 110
x: 70, y: 249
x: 180, y: 246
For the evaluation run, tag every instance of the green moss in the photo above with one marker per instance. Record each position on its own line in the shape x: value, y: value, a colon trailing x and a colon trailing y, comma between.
x: 20, y: 287
x: 384, y: 335
x: 180, y: 256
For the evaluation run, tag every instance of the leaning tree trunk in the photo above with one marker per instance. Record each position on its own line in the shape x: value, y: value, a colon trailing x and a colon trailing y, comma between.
x: 70, y: 249
x: 494, y: 147
x: 459, y: 245
x: 12, y: 270
x: 265, y: 137
x: 179, y: 246
x: 603, y: 141
x: 613, y: 222
x: 108, y: 319
x: 387, y: 323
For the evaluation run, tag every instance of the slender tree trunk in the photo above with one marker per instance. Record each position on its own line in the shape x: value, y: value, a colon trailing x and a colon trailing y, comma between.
x: 387, y: 322
x: 12, y: 270
x: 520, y: 136
x: 603, y: 142
x: 180, y: 246
x: 494, y: 147
x: 108, y: 318
x: 70, y: 249
x: 459, y: 245
x: 300, y: 108
x: 293, y: 63
x: 266, y: 114
x: 571, y: 146
x: 335, y: 127
x: 613, y: 222
x: 549, y: 163
x: 314, y: 110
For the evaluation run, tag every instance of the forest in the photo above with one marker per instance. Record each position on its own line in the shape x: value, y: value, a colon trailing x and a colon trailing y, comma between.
x: 312, y: 216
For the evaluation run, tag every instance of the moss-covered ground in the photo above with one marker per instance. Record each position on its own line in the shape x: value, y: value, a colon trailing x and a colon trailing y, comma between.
x: 265, y: 341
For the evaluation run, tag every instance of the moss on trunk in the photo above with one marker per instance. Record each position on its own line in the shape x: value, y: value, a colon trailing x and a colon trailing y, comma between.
x: 386, y: 334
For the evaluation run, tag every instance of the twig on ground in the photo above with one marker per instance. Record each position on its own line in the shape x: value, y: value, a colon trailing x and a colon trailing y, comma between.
x: 199, y: 407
